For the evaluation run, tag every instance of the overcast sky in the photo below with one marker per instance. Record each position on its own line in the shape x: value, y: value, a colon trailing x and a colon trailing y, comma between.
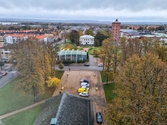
x: 124, y: 10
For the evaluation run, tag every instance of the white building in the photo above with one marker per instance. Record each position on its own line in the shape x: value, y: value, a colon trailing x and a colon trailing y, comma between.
x: 86, y: 40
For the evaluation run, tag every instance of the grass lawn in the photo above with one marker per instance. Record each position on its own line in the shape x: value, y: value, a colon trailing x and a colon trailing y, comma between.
x: 108, y: 89
x: 86, y: 46
x: 59, y: 74
x: 103, y: 77
x: 11, y: 99
x: 91, y: 52
x: 23, y: 118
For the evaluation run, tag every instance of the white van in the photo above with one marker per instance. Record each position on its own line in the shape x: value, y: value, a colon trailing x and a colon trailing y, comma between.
x: 84, y: 84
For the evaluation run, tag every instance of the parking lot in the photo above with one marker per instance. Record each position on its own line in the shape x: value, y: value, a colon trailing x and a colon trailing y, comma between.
x: 70, y: 83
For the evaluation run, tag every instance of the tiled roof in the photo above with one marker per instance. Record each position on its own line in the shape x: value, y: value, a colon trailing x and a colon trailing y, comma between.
x: 40, y: 37
x: 67, y: 109
x: 16, y: 35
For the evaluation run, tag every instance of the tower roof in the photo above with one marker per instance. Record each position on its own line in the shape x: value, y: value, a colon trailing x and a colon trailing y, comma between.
x: 116, y: 22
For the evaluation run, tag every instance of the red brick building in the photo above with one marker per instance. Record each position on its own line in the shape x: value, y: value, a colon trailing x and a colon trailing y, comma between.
x: 116, y: 30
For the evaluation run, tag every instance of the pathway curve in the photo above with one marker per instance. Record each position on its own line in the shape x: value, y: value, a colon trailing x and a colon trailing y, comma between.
x: 20, y: 110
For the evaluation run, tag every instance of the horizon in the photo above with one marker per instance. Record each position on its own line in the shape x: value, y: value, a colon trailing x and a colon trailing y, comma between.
x: 109, y: 10
x: 3, y: 20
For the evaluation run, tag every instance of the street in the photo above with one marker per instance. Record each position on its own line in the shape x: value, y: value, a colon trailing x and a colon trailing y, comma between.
x: 80, y: 67
x: 5, y: 79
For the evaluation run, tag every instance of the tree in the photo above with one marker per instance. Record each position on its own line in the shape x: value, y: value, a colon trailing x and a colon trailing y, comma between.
x: 27, y: 56
x: 96, y: 53
x: 97, y: 43
x: 141, y: 92
x: 80, y: 33
x: 68, y: 46
x: 160, y: 28
x: 61, y: 66
x: 35, y: 62
x: 129, y: 47
x: 109, y: 57
x: 161, y: 50
x: 53, y: 82
x: 89, y: 32
x: 100, y: 36
x: 1, y: 64
x: 74, y: 37
x: 140, y: 28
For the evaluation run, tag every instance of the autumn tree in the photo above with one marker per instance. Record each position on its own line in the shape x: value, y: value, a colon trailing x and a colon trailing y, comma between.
x: 96, y: 53
x: 132, y: 46
x: 53, y: 82
x: 80, y: 33
x: 109, y: 57
x: 161, y: 50
x: 27, y: 55
x: 35, y: 62
x: 141, y: 93
x: 68, y: 46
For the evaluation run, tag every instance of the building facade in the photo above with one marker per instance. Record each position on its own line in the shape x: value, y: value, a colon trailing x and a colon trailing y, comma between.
x: 86, y: 40
x: 73, y: 55
x: 116, y: 30
x: 4, y: 52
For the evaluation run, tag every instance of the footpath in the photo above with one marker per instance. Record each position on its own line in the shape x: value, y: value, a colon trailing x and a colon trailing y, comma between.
x: 20, y: 110
x: 28, y: 107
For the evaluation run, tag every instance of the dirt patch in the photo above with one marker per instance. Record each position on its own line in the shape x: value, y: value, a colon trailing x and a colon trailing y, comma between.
x: 70, y: 82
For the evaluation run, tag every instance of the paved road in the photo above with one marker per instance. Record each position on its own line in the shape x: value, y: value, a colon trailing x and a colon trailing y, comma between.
x: 92, y: 61
x: 80, y: 67
x: 5, y: 79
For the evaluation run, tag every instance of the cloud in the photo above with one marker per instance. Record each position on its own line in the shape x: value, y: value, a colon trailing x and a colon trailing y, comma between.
x: 132, y: 5
x: 85, y: 9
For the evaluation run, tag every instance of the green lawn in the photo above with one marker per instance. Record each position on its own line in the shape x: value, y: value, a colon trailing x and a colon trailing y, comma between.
x: 23, y: 118
x: 108, y: 88
x: 86, y: 46
x: 59, y: 74
x: 91, y: 51
x: 103, y: 77
x: 11, y: 99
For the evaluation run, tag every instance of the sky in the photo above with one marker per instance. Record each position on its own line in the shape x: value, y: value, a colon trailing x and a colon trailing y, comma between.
x: 103, y: 10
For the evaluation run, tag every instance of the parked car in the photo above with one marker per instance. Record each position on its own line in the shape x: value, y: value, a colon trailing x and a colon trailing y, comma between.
x: 66, y: 64
x: 85, y: 87
x: 4, y: 74
x: 82, y: 90
x: 100, y: 65
x: 85, y: 84
x: 84, y: 80
x: 86, y: 64
x: 99, y: 118
x: 83, y: 94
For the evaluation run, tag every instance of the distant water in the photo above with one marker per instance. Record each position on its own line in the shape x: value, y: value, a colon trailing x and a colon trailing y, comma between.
x: 6, y: 21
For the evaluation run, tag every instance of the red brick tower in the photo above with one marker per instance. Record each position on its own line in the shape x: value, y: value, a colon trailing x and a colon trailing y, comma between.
x: 116, y: 30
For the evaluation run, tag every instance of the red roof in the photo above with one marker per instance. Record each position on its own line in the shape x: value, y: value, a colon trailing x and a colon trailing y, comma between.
x: 40, y: 37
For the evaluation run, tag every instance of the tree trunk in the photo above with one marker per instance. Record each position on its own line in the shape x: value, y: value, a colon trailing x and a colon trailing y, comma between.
x: 35, y: 96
